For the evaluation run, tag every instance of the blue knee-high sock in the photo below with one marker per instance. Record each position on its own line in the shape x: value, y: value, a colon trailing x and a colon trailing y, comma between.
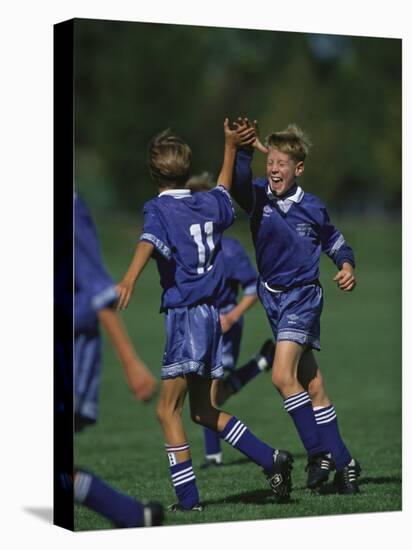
x: 240, y: 377
x: 116, y: 506
x: 183, y: 477
x: 240, y: 437
x: 299, y: 407
x: 327, y: 423
x: 212, y: 444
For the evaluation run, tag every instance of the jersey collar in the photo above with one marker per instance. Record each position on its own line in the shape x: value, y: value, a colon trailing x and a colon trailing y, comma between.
x: 176, y: 193
x: 297, y: 196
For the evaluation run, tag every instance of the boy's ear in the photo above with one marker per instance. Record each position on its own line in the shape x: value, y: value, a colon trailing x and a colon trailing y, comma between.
x: 299, y: 168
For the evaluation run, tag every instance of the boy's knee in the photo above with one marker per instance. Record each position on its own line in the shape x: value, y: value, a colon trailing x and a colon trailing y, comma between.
x: 161, y: 412
x: 284, y: 381
x: 167, y: 411
x: 205, y: 417
x: 196, y: 417
x: 280, y: 378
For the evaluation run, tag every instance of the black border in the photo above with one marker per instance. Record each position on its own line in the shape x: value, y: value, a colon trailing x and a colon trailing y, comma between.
x: 63, y: 175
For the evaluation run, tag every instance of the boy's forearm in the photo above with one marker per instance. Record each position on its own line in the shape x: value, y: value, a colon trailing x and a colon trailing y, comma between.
x: 143, y: 253
x: 245, y: 303
x: 226, y: 172
x: 117, y: 333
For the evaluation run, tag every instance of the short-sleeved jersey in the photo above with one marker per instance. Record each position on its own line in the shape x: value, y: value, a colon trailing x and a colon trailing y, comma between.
x: 186, y: 231
x: 94, y: 288
x: 289, y: 233
x: 240, y: 273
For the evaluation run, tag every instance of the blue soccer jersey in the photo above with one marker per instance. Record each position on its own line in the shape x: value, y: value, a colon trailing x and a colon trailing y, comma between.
x: 186, y: 231
x: 289, y: 234
x: 240, y: 273
x: 94, y: 288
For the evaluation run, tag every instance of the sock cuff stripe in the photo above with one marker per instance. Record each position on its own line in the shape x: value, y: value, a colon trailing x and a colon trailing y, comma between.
x: 295, y: 401
x: 242, y: 431
x: 326, y: 420
x: 324, y: 412
x: 183, y: 481
x: 236, y: 423
x: 176, y: 448
x: 82, y: 485
x: 234, y: 432
x: 185, y: 471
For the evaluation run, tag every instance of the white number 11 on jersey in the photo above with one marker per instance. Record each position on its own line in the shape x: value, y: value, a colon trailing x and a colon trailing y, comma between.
x: 196, y: 232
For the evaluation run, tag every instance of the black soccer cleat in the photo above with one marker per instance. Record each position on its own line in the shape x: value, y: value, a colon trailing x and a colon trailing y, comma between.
x: 318, y: 467
x: 152, y: 514
x: 268, y: 352
x: 279, y: 476
x: 346, y: 481
x: 177, y: 507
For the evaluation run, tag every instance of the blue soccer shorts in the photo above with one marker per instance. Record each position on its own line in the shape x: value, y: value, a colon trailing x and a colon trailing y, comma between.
x: 193, y: 342
x: 231, y: 342
x: 87, y: 368
x: 294, y: 314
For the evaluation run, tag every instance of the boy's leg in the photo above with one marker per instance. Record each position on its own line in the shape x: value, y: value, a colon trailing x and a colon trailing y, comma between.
x: 238, y: 378
x: 213, y: 451
x: 326, y: 419
x: 296, y: 399
x: 276, y: 464
x: 121, y: 509
x: 233, y: 383
x: 320, y: 465
x: 169, y: 413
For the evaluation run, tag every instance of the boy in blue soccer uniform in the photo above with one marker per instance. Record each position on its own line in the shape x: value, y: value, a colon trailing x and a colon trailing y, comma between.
x: 290, y: 229
x: 94, y: 303
x: 239, y: 273
x: 183, y: 232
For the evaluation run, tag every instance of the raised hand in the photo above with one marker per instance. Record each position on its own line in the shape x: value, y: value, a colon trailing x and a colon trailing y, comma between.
x: 241, y: 135
x: 244, y: 122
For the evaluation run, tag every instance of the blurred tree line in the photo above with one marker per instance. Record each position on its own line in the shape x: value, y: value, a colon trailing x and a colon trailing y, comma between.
x: 132, y: 80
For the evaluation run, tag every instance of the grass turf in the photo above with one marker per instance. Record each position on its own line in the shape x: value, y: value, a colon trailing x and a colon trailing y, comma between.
x: 360, y: 361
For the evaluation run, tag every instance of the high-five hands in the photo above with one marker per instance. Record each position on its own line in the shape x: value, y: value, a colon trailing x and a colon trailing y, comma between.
x: 241, y: 135
x: 243, y: 122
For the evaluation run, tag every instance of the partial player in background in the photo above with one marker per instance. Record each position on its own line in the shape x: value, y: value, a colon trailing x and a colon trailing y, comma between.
x: 183, y: 233
x: 94, y: 304
x: 239, y: 273
x: 290, y: 228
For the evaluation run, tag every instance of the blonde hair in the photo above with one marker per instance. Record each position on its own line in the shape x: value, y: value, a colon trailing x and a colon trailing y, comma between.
x: 292, y: 141
x: 169, y: 159
x: 200, y: 182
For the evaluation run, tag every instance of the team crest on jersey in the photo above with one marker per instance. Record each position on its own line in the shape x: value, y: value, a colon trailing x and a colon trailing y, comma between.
x: 304, y: 229
x: 267, y: 210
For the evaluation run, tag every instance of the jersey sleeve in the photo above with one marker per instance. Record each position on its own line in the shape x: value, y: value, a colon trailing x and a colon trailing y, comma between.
x: 154, y: 231
x: 226, y: 211
x: 242, y: 187
x: 95, y: 288
x: 334, y: 243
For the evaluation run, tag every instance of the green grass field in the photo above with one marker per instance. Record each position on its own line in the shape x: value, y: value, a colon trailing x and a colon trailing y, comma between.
x: 361, y: 362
